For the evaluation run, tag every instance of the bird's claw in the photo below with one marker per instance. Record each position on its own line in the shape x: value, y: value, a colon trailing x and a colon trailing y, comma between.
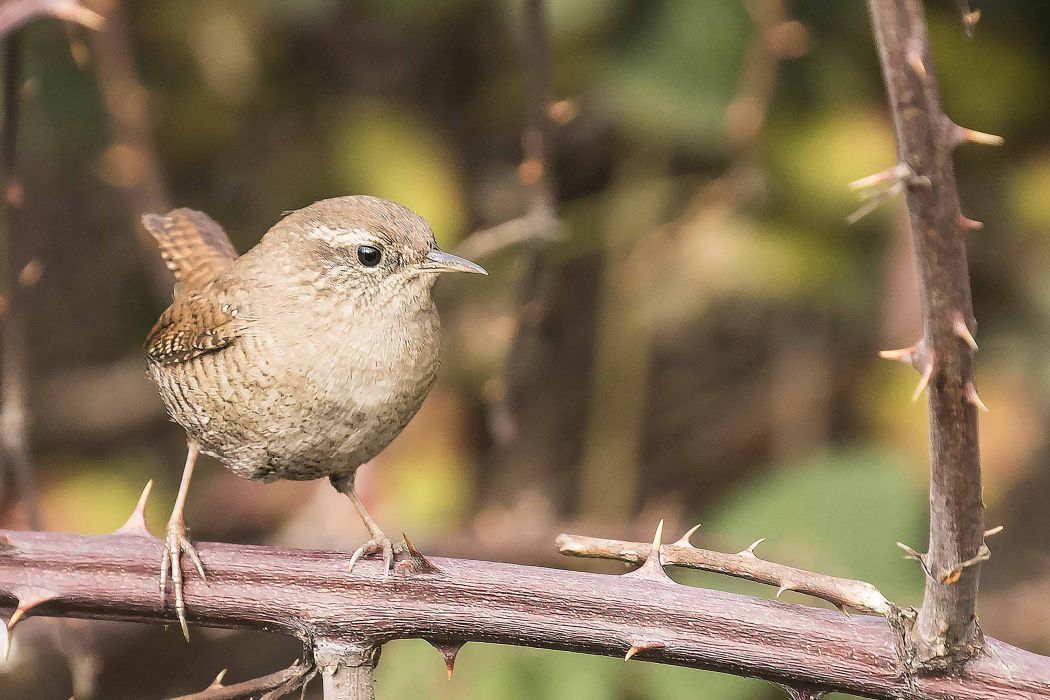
x: 175, y: 545
x: 377, y: 545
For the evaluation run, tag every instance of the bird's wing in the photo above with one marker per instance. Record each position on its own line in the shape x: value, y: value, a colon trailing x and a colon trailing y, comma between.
x: 192, y: 326
x: 193, y: 246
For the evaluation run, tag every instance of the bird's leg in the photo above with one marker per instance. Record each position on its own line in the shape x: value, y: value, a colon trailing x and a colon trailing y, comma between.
x: 176, y: 544
x: 379, y: 543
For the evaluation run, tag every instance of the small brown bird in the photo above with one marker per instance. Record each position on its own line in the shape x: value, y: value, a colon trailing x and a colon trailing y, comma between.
x: 302, y: 358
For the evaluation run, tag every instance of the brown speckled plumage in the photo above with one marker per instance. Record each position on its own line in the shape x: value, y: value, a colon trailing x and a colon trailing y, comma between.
x: 301, y: 359
x: 294, y: 361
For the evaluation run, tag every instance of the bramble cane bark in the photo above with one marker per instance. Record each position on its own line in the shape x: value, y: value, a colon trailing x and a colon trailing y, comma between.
x: 310, y: 595
x: 945, y: 633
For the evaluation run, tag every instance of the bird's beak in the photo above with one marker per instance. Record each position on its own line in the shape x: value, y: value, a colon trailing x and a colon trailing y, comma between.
x: 440, y: 261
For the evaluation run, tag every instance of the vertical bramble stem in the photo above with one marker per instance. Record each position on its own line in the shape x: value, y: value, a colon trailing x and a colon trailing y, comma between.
x: 945, y: 633
x: 346, y: 670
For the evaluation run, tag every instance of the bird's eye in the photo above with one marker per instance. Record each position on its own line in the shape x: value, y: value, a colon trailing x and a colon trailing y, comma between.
x: 369, y: 255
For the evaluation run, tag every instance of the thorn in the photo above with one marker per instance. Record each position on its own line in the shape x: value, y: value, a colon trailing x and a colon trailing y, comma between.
x: 842, y: 609
x: 994, y: 531
x: 750, y: 551
x: 924, y: 380
x: 969, y: 224
x: 683, y: 541
x: 217, y: 683
x: 914, y: 57
x: 784, y: 587
x: 449, y: 650
x: 961, y: 134
x: 973, y: 398
x: 909, y: 356
x: 28, y: 598
x: 136, y: 522
x: 417, y: 563
x: 962, y: 330
x: 639, y: 647
x: 894, y: 174
x: 652, y: 568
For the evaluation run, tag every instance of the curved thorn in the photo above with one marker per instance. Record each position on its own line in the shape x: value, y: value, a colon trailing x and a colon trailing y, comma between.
x: 217, y: 683
x: 639, y: 647
x: 994, y: 531
x: 784, y: 587
x: 962, y: 330
x: 924, y: 381
x: 973, y: 398
x: 914, y: 58
x: 28, y: 598
x: 969, y: 224
x: 750, y: 550
x: 683, y: 541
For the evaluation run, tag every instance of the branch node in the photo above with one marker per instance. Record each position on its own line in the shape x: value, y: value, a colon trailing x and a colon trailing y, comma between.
x: 652, y: 568
x: 912, y: 554
x: 955, y: 573
x: 878, y: 188
x: 136, y: 522
x: 639, y: 647
x: 961, y: 329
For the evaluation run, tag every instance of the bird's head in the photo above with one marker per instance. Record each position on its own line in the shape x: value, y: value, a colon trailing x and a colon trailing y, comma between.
x: 370, y: 248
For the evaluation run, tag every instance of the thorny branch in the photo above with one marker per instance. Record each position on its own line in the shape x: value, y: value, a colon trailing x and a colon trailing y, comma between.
x: 841, y: 592
x: 642, y: 615
x: 945, y: 634
x: 269, y: 687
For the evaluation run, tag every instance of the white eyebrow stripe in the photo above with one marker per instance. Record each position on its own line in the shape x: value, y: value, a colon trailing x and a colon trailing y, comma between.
x: 341, y: 237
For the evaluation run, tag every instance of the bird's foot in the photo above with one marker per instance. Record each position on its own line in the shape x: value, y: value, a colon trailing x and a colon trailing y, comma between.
x: 175, y: 545
x: 378, y: 545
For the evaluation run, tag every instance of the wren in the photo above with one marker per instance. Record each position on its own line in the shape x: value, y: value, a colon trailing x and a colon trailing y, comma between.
x: 302, y: 358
